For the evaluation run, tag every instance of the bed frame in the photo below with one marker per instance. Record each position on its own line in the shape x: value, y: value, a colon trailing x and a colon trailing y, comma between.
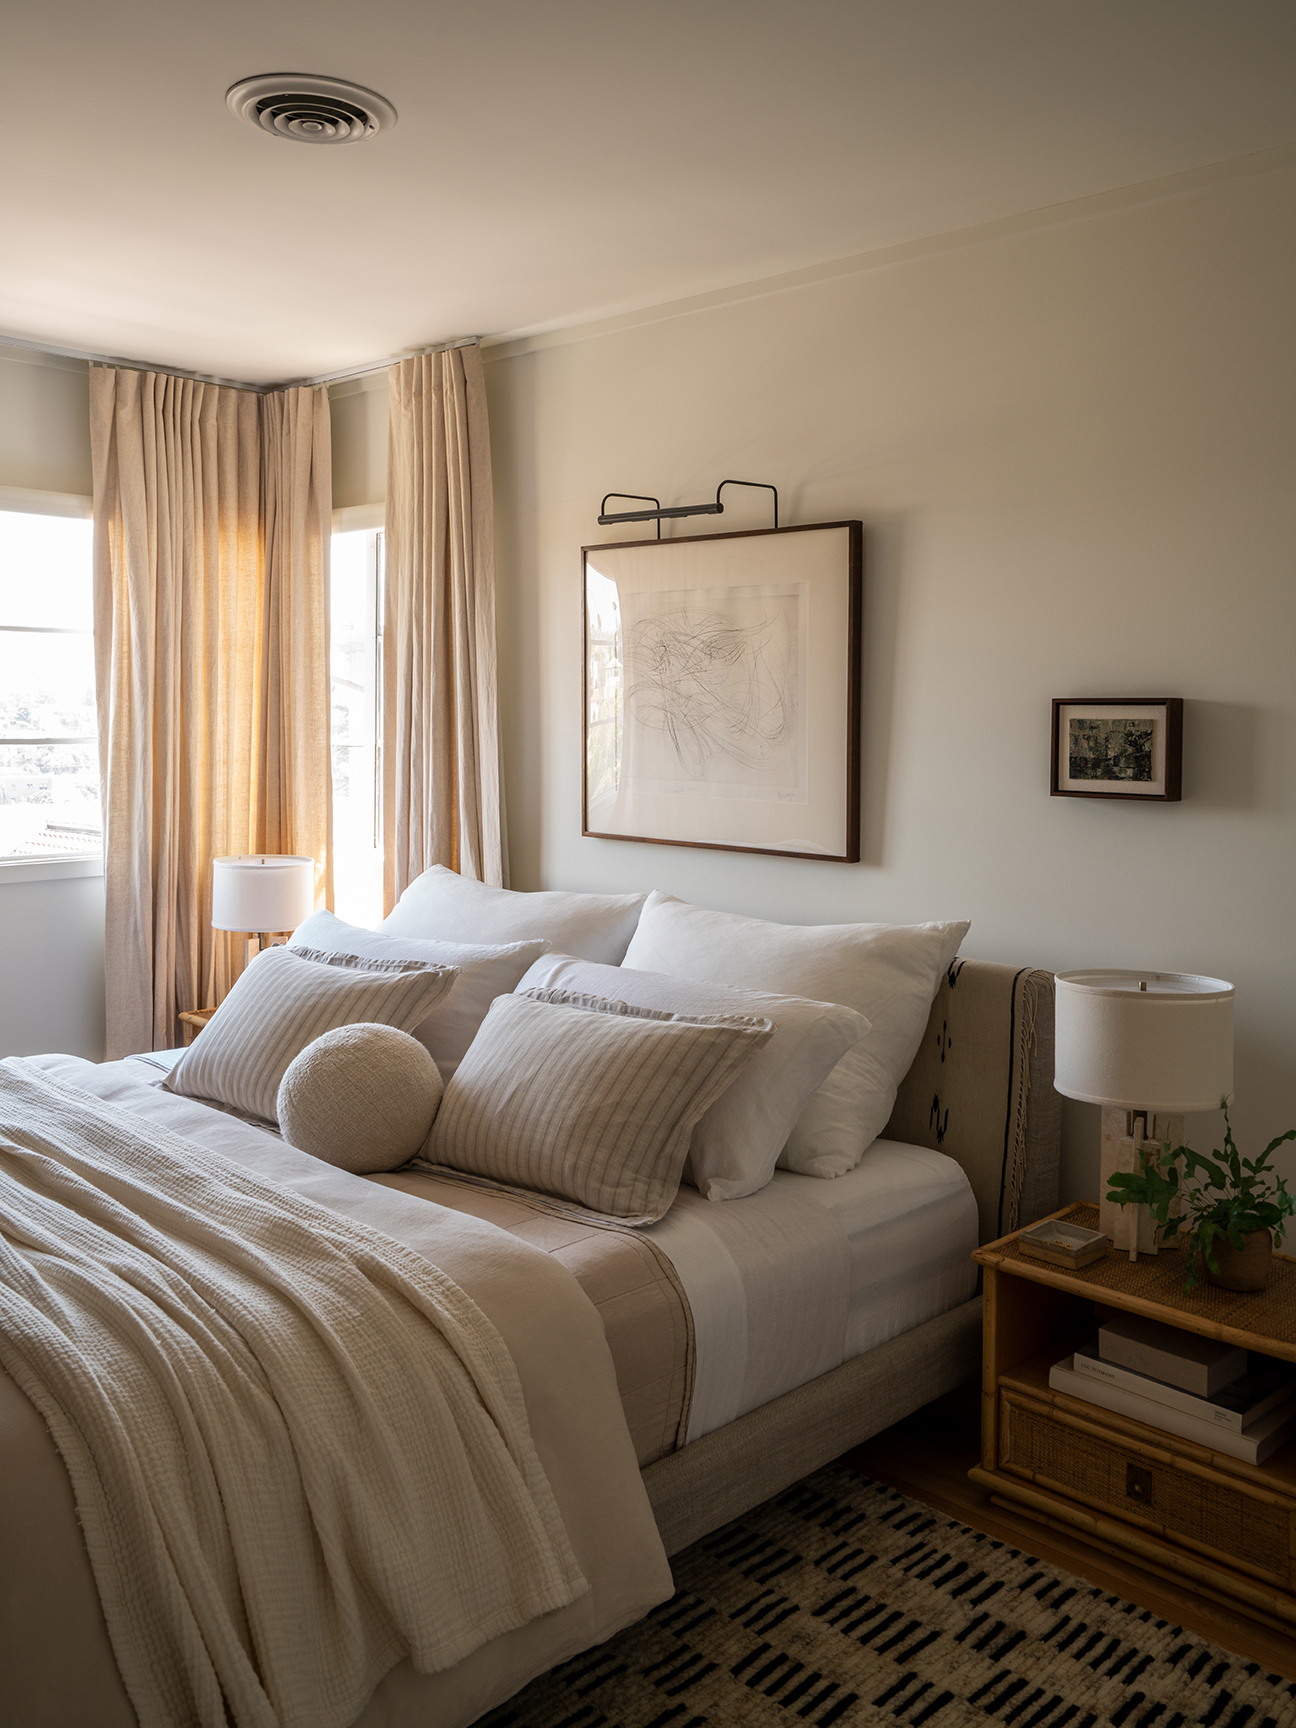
x: 981, y: 1090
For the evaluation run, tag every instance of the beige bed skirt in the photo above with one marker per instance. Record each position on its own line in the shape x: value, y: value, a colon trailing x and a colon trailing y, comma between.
x: 705, y: 1484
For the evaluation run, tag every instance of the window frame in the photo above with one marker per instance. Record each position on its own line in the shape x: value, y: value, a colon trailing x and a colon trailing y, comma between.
x: 27, y: 501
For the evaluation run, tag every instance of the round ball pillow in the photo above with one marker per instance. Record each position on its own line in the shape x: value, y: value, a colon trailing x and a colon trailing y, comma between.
x: 361, y: 1097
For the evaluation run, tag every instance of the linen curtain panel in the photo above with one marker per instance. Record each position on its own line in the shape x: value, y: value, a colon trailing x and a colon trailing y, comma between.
x: 213, y: 511
x: 442, y: 784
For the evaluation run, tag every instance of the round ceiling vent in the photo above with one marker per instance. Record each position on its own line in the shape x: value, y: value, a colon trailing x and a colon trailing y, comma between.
x: 310, y: 110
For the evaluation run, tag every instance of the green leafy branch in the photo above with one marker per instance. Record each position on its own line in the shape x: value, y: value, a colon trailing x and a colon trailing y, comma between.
x: 1235, y: 1196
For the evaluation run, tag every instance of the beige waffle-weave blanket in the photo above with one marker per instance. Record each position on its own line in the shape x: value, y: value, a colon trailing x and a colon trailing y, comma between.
x: 299, y: 1451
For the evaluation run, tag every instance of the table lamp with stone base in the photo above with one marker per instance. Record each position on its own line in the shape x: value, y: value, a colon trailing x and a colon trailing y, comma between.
x: 1147, y: 1047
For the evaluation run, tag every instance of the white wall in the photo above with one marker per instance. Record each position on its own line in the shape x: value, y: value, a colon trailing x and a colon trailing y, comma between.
x: 51, y: 964
x: 1072, y: 446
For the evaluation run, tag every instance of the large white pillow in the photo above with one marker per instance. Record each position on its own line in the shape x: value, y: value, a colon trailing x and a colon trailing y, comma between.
x: 446, y: 907
x: 887, y: 972
x: 587, y: 1099
x: 736, y: 1144
x: 484, y: 973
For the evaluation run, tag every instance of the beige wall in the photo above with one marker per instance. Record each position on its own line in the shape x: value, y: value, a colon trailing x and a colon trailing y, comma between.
x: 358, y: 417
x: 1072, y: 447
x: 44, y: 422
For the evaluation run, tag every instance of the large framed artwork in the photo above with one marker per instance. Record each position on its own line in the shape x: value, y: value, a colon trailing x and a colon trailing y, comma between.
x: 1118, y: 747
x: 722, y: 690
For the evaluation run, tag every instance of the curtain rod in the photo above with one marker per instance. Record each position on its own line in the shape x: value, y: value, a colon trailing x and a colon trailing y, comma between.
x: 378, y: 365
x: 235, y: 383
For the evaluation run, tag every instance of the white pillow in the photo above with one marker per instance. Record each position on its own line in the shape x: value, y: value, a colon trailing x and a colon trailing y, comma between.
x: 452, y: 908
x: 735, y: 1145
x: 587, y: 1099
x: 887, y: 972
x: 484, y: 974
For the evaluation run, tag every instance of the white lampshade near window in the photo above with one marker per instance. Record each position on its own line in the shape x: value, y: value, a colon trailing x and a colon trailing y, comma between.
x: 1147, y: 1046
x: 262, y: 892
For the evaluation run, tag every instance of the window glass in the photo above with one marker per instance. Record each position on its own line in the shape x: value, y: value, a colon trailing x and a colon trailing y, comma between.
x: 49, y: 754
x: 355, y: 623
x: 45, y: 578
x: 47, y: 683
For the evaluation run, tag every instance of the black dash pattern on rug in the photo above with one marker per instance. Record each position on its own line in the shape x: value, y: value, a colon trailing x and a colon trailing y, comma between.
x: 841, y: 1601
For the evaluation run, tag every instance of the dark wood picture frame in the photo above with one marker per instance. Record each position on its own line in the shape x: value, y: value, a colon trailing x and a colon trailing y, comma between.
x: 853, y: 577
x: 1063, y: 785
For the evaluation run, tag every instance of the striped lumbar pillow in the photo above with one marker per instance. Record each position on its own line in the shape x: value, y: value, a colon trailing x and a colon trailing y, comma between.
x: 283, y: 1002
x: 587, y: 1098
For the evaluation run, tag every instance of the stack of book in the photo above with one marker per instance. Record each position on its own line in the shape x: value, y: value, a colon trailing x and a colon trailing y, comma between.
x: 1234, y: 1401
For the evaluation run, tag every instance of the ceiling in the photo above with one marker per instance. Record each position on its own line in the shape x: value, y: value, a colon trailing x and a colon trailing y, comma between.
x: 563, y: 160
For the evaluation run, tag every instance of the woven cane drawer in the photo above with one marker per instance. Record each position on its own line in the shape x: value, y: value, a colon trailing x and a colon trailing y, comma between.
x: 1115, y: 1474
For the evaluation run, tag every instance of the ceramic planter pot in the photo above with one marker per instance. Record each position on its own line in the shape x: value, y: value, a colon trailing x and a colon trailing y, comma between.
x: 1246, y: 1268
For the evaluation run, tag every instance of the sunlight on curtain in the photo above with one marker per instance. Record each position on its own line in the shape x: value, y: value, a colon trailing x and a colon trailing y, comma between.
x: 355, y: 656
x: 442, y: 781
x: 212, y: 517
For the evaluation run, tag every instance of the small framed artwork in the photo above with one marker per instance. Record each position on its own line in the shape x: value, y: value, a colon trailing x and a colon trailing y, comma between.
x: 1130, y: 747
x: 722, y: 691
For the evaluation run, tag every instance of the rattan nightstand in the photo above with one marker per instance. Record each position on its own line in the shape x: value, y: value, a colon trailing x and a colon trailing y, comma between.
x: 1177, y: 1509
x: 192, y: 1021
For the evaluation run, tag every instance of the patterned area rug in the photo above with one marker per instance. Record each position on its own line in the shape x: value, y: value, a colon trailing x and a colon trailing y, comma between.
x: 843, y: 1602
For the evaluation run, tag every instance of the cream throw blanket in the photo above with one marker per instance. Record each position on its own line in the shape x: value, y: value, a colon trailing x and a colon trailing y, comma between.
x: 299, y: 1452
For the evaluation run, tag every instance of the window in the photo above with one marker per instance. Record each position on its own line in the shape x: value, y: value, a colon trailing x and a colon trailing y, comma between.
x: 355, y: 624
x: 49, y: 750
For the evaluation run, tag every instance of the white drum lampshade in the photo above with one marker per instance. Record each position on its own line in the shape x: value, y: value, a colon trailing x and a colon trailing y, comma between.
x: 1147, y: 1046
x: 264, y: 891
x: 1144, y: 1040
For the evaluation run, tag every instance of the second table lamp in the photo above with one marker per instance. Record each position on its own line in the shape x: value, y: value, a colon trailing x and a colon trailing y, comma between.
x: 1147, y: 1046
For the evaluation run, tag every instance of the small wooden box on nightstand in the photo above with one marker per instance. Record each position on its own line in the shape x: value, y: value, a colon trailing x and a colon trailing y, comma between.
x: 1225, y: 1529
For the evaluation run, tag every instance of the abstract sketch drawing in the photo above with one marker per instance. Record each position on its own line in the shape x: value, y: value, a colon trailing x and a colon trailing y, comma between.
x: 721, y: 690
x: 714, y: 691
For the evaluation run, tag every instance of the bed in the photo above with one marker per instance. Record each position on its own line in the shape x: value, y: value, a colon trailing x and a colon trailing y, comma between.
x: 704, y: 1362
x: 979, y: 1094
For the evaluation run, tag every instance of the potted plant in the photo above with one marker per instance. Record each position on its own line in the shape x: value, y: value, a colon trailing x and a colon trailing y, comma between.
x: 1233, y: 1217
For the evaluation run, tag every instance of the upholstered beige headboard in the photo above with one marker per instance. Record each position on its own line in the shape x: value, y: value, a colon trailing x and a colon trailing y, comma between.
x: 981, y: 1090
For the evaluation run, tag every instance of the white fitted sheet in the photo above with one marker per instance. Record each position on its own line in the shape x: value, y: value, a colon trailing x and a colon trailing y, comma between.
x: 792, y: 1282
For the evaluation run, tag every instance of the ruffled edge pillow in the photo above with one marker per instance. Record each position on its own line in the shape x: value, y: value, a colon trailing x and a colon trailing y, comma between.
x: 587, y: 1098
x: 282, y: 1002
x: 736, y: 1144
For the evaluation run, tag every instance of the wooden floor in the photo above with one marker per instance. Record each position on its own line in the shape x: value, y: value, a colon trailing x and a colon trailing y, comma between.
x: 928, y: 1456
